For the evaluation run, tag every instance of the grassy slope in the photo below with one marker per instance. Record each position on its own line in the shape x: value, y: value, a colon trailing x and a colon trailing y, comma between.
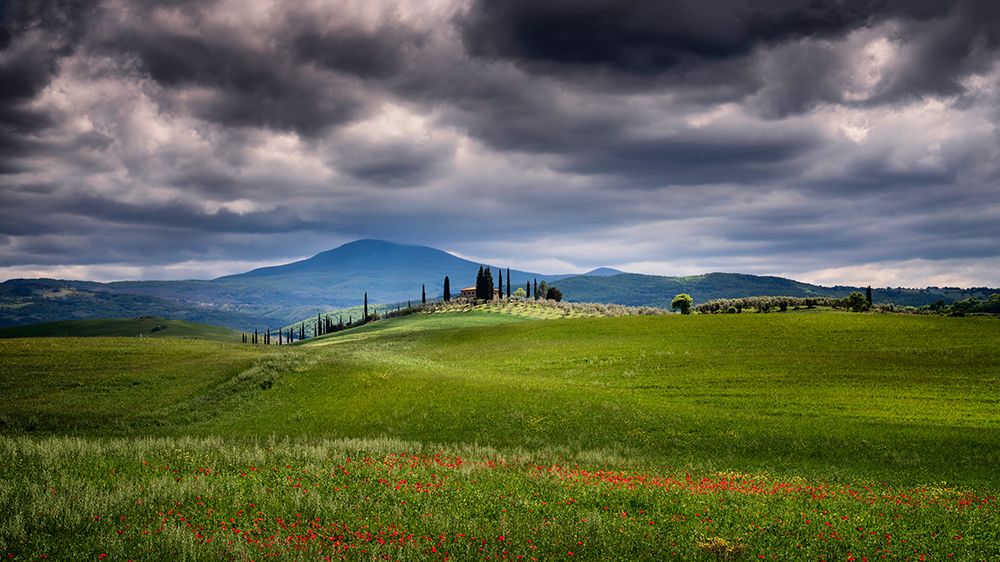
x: 895, y: 403
x: 145, y: 326
x: 913, y: 398
x: 821, y: 393
x: 102, y: 384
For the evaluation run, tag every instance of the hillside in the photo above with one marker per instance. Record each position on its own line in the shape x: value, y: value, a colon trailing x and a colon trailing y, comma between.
x: 787, y: 436
x: 390, y: 273
x: 146, y: 326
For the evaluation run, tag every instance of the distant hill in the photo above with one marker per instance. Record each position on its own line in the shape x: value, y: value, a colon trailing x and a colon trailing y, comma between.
x: 604, y: 272
x: 265, y: 297
x: 146, y: 326
x: 635, y: 289
x: 390, y: 273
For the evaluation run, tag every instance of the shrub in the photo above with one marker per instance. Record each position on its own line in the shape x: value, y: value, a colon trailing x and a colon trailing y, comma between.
x: 682, y: 302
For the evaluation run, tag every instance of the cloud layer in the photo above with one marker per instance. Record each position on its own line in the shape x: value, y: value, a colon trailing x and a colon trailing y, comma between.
x: 831, y: 141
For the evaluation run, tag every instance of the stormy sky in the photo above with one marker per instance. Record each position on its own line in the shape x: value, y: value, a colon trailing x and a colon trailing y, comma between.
x: 850, y: 141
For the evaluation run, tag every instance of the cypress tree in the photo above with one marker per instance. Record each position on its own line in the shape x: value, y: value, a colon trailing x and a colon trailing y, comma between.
x: 508, y: 283
x: 279, y: 338
x: 255, y: 336
x: 480, y: 280
x: 365, y: 319
x: 447, y: 289
x: 500, y: 283
x: 868, y: 295
x: 267, y: 337
x: 527, y: 289
x: 536, y: 289
x: 423, y: 294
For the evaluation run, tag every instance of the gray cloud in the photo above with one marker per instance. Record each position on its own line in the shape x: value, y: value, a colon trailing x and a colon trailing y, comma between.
x: 786, y: 137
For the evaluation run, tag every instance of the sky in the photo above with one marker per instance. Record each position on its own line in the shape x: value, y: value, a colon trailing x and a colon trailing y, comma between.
x: 837, y: 142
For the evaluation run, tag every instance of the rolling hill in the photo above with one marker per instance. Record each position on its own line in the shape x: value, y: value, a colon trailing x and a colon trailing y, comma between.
x: 389, y: 273
x: 820, y: 436
x: 145, y: 326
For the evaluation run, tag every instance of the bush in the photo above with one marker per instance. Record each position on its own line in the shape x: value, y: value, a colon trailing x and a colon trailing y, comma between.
x: 683, y: 303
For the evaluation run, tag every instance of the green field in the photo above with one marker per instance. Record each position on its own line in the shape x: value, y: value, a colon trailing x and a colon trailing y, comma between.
x: 146, y: 326
x: 467, y: 435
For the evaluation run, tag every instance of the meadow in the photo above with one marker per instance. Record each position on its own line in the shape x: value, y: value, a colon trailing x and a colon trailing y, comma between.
x: 491, y: 435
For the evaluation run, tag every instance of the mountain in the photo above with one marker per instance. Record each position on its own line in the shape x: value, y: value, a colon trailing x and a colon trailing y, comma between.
x: 604, y: 272
x: 269, y: 296
x: 338, y: 278
x: 389, y: 273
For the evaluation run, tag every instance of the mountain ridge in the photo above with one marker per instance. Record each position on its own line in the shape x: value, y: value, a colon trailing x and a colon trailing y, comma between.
x: 389, y: 272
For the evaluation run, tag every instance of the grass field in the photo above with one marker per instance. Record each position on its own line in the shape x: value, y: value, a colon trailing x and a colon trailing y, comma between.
x: 146, y: 326
x: 829, y: 436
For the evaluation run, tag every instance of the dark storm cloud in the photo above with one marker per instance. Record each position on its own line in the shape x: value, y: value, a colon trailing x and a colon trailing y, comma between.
x: 851, y: 131
x: 34, y: 37
x: 690, y: 42
x: 647, y: 37
x: 242, y: 85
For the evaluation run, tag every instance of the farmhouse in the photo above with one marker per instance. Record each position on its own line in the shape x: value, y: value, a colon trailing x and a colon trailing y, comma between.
x: 470, y: 292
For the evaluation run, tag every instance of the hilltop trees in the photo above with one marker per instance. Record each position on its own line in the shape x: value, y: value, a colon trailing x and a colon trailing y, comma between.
x: 447, y: 289
x: 484, y: 284
x: 683, y: 303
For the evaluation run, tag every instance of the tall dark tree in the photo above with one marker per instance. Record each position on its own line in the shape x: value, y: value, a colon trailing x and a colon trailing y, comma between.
x: 508, y: 283
x: 366, y: 307
x: 484, y: 284
x: 535, y: 292
x: 255, y: 335
x: 500, y: 283
x: 868, y: 295
x: 423, y: 294
x: 527, y: 289
x: 447, y: 289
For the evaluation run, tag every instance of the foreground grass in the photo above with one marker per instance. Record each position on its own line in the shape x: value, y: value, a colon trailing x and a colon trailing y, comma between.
x: 212, y: 499
x: 805, y: 436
